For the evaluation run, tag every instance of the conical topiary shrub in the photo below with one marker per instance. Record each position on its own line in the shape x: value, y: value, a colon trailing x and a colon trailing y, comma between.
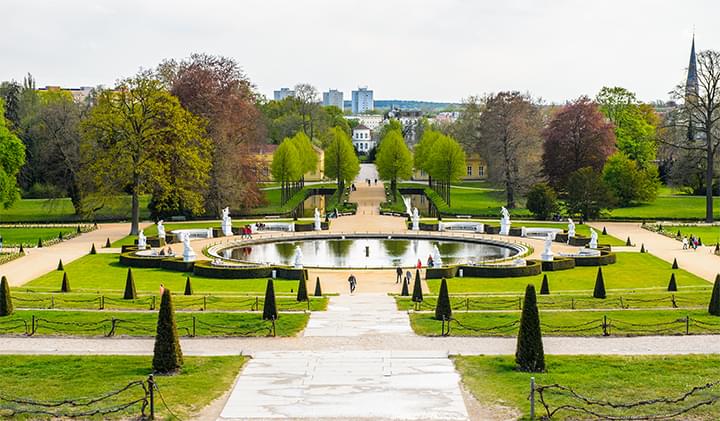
x: 417, y: 296
x: 675, y: 264
x: 604, y: 231
x: 714, y: 307
x: 672, y: 285
x: 78, y: 230
x: 188, y: 286
x: 6, y: 305
x: 529, y: 353
x: 107, y: 243
x: 599, y: 291
x: 22, y: 250
x: 302, y: 294
x: 544, y: 287
x: 65, y: 286
x: 167, y: 355
x: 404, y: 292
x: 269, y: 307
x: 642, y: 248
x: 443, y: 311
x: 60, y: 236
x: 60, y: 265
x: 39, y: 244
x: 628, y: 242
x: 700, y: 241
x: 318, y: 289
x: 717, y: 248
x: 92, y: 249
x: 129, y: 293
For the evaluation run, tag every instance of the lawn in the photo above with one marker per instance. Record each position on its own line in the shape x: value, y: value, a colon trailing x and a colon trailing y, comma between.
x: 28, y: 236
x: 494, y: 381
x: 61, y: 210
x: 57, y: 378
x: 709, y: 234
x: 678, y: 206
x: 144, y: 323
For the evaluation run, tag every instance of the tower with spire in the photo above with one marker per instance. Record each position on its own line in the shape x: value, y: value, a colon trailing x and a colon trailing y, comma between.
x: 692, y: 89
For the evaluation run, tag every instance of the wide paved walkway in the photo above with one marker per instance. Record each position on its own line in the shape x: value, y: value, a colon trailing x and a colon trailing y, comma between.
x: 359, y: 315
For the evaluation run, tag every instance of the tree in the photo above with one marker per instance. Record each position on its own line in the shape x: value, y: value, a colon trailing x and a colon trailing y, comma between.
x: 216, y: 89
x: 129, y: 293
x: 542, y: 200
x: 302, y: 294
x: 417, y: 296
x: 394, y: 160
x: 341, y: 162
x: 545, y: 287
x: 587, y: 194
x: 510, y: 141
x: 306, y: 153
x: 285, y: 166
x: 318, y: 289
x: 269, y: 306
x: 713, y: 307
x: 392, y: 124
x: 578, y: 136
x: 138, y: 138
x: 308, y: 101
x: 167, y: 355
x: 447, y: 163
x: 12, y: 158
x: 672, y: 285
x: 599, y: 290
x: 529, y: 353
x: 188, y: 287
x: 65, y: 286
x: 466, y: 129
x: 628, y: 182
x: 6, y: 305
x: 443, y: 310
x: 421, y: 152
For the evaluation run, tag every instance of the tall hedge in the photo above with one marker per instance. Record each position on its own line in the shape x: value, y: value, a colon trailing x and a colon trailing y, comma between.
x: 529, y: 354
x: 6, y: 305
x: 188, y: 287
x: 714, y: 307
x: 318, y: 289
x: 167, y: 355
x: 442, y: 308
x: 544, y: 288
x: 269, y: 306
x: 417, y: 296
x: 672, y: 285
x: 65, y: 286
x: 302, y: 294
x: 130, y: 293
x: 599, y: 291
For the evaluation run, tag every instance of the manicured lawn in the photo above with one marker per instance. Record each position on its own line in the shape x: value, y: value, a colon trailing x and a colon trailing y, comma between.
x: 103, y: 273
x: 668, y: 207
x: 56, y: 378
x: 633, y: 271
x: 573, y: 323
x: 61, y: 210
x: 494, y: 380
x: 99, y: 323
x: 28, y: 236
x: 709, y: 235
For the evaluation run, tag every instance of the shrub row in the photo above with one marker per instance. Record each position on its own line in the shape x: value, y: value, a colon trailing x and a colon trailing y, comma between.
x: 310, y: 226
x: 559, y: 263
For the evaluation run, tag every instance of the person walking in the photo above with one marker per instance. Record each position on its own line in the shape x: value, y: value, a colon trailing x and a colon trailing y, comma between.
x: 353, y: 282
x: 399, y: 273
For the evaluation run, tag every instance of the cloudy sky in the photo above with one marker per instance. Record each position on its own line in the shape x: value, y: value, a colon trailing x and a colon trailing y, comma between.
x: 441, y: 50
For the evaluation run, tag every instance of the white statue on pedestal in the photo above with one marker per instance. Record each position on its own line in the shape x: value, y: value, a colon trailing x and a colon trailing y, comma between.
x: 318, y: 225
x: 226, y: 222
x: 142, y: 240
x: 188, y: 252
x: 571, y: 228
x: 593, y: 239
x: 416, y: 220
x: 437, y: 259
x: 297, y: 260
x: 161, y: 229
x: 547, y: 254
x: 408, y: 209
x: 505, y: 222
x: 209, y: 233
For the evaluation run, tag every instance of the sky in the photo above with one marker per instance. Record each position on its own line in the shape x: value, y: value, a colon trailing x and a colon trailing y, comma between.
x: 443, y: 50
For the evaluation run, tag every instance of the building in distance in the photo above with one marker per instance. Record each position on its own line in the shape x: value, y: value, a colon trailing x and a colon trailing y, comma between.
x: 362, y: 139
x: 78, y: 94
x: 362, y: 101
x: 282, y: 94
x: 334, y: 98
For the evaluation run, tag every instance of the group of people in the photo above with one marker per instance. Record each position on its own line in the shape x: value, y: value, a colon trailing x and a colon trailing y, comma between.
x: 406, y: 278
x: 690, y: 243
x: 369, y: 181
x: 246, y: 232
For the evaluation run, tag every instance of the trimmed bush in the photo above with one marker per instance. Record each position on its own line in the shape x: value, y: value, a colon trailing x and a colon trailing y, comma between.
x: 130, y: 293
x: 417, y: 296
x: 60, y: 265
x: 22, y: 250
x: 39, y: 243
x: 642, y: 248
x: 60, y: 236
x: 672, y: 286
x: 188, y: 287
x: 544, y: 288
x: 404, y: 292
x: 599, y: 291
x: 302, y: 294
x: 717, y: 248
x: 443, y: 311
x: 92, y: 249
x: 675, y: 264
x: 107, y: 243
x: 628, y: 242
x: 65, y: 286
x: 6, y: 305
x: 269, y: 307
x: 78, y: 230
x: 318, y: 290
x: 604, y: 231
x: 167, y: 355
x: 714, y: 307
x: 529, y: 354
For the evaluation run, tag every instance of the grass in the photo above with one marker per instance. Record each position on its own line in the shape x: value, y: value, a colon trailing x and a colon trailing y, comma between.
x: 61, y: 210
x: 677, y: 206
x: 137, y: 323
x: 709, y: 235
x: 28, y: 236
x: 493, y: 380
x: 56, y: 378
x: 273, y: 198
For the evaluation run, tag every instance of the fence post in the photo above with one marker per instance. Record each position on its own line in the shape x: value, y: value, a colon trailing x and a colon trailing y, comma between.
x: 604, y: 326
x: 193, y: 326
x: 204, y: 302
x: 442, y: 327
x: 273, y: 327
x: 467, y: 305
x: 52, y: 301
x: 112, y: 327
x: 572, y: 303
x: 257, y: 303
x: 622, y: 305
x: 532, y: 398
x: 152, y: 307
x: 674, y: 304
x: 32, y: 327
x: 102, y: 302
x: 519, y: 303
x: 687, y: 325
x: 151, y: 388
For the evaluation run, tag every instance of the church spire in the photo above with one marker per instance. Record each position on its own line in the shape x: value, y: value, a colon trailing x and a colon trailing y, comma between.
x: 691, y: 86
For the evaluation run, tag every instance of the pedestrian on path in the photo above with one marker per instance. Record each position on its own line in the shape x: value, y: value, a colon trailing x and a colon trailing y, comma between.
x: 399, y: 273
x: 685, y: 243
x: 353, y: 282
x: 419, y: 264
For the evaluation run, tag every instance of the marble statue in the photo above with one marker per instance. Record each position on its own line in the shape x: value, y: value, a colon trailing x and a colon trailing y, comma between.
x: 571, y: 228
x: 547, y: 254
x: 142, y: 240
x: 437, y: 259
x: 188, y: 252
x: 593, y: 239
x: 210, y: 233
x: 408, y: 208
x: 161, y: 229
x: 505, y: 222
x: 318, y: 225
x: 226, y: 222
x: 416, y: 220
x: 297, y: 260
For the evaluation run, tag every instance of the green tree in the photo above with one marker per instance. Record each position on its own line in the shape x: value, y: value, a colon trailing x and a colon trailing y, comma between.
x: 421, y: 153
x: 138, y: 138
x: 302, y: 294
x: 443, y: 310
x: 542, y: 200
x: 713, y: 307
x: 599, y: 290
x: 130, y: 293
x: 65, y: 286
x: 318, y: 288
x: 394, y: 160
x: 286, y: 166
x: 341, y: 162
x: 269, y: 306
x: 447, y: 162
x: 628, y: 182
x: 529, y: 354
x: 587, y: 194
x: 6, y: 305
x: 12, y: 158
x: 167, y: 355
x: 188, y: 287
x: 392, y: 125
x: 417, y: 296
x: 306, y: 153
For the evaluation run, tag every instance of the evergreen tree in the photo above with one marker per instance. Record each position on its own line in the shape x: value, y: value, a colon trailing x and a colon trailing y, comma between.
x: 443, y: 309
x: 302, y: 294
x: 529, y: 354
x: 404, y: 292
x: 642, y: 248
x: 269, y: 307
x: 107, y: 243
x: 675, y: 264
x: 130, y: 293
x: 60, y: 265
x: 92, y: 249
x: 599, y: 291
x: 22, y: 250
x: 6, y: 305
x: 672, y: 286
x: 39, y: 243
x: 188, y: 287
x: 60, y: 236
x: 167, y: 355
x: 65, y: 287
x: 417, y: 296
x: 604, y: 231
x: 318, y: 290
x: 714, y: 307
x: 545, y: 288
x: 628, y: 242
